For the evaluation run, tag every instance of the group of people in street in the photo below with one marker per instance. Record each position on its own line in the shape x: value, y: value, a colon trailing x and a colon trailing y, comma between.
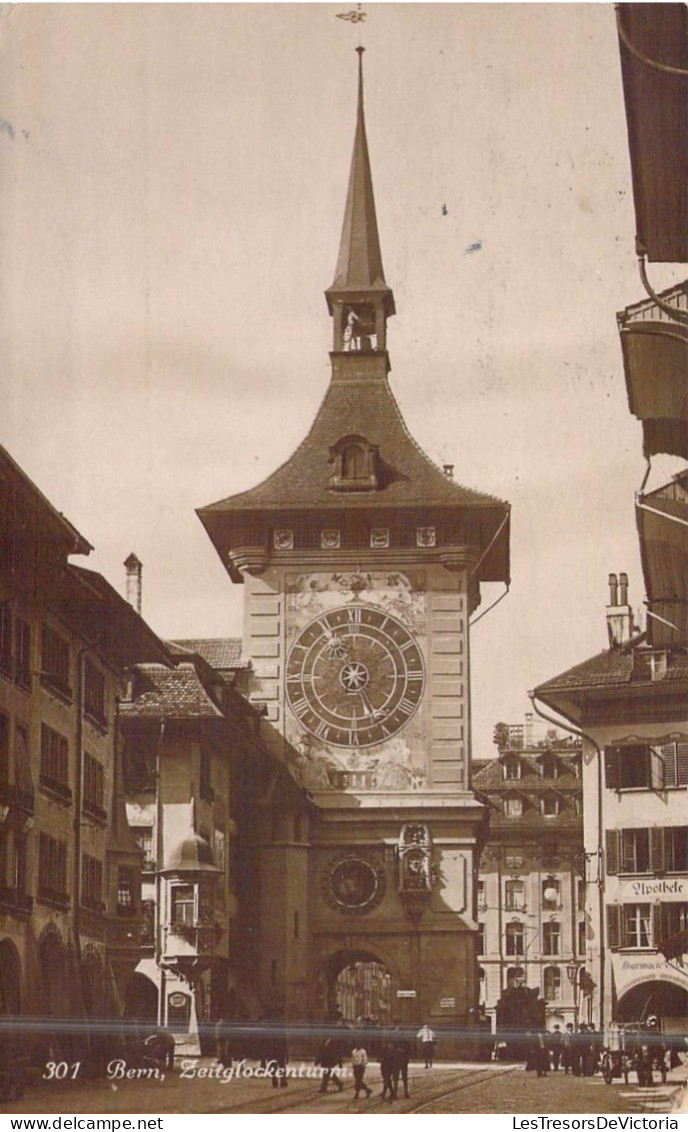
x: 391, y: 1048
x: 577, y: 1053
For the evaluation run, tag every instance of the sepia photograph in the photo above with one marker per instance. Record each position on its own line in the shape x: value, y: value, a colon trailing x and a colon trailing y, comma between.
x: 344, y: 561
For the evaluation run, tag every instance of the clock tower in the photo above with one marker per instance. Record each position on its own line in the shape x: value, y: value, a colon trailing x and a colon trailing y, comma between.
x: 362, y: 563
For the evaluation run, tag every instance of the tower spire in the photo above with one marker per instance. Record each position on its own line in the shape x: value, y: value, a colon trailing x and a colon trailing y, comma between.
x: 359, y: 279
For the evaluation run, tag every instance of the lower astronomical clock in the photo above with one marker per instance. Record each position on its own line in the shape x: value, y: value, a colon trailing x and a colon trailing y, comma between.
x: 353, y: 884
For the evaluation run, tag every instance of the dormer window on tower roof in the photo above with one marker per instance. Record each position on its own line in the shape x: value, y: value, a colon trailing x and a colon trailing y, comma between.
x: 354, y: 464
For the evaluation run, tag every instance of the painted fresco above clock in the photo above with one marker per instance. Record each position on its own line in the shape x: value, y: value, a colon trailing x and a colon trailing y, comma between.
x: 355, y: 679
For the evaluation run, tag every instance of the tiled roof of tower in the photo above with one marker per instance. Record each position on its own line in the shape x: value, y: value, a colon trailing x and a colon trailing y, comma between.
x: 407, y: 476
x: 218, y: 652
x: 176, y: 693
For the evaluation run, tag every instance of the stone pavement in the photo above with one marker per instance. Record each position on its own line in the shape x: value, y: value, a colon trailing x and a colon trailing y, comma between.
x: 448, y: 1088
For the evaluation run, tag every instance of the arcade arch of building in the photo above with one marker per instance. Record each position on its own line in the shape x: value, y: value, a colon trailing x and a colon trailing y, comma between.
x: 10, y: 978
x: 665, y: 997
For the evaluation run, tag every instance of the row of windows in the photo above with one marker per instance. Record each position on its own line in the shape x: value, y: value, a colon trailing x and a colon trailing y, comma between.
x: 552, y: 982
x: 515, y: 895
x: 54, y: 773
x: 641, y: 926
x: 549, y: 766
x: 15, y: 662
x: 662, y: 849
x: 15, y: 648
x: 549, y: 805
x: 549, y: 940
x: 52, y: 876
x: 646, y: 766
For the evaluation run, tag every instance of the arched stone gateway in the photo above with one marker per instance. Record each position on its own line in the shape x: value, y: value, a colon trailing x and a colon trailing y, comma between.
x: 141, y: 1000
x: 358, y: 985
x: 10, y: 979
x: 665, y: 998
x: 53, y: 967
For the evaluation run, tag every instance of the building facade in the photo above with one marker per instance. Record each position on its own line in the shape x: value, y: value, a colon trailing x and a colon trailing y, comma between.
x: 69, y: 866
x: 531, y: 886
x: 630, y: 704
x: 203, y: 800
x: 361, y: 563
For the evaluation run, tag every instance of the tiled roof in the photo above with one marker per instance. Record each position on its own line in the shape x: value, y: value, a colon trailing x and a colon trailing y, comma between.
x: 218, y: 652
x: 408, y: 477
x: 488, y: 776
x: 612, y: 668
x: 176, y: 693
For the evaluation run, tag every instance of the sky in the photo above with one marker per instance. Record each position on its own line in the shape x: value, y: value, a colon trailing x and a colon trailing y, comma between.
x: 172, y: 187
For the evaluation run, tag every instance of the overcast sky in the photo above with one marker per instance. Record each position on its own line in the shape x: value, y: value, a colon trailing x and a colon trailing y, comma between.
x: 172, y: 185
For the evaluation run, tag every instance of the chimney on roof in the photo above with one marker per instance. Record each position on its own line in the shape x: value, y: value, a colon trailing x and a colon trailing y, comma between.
x: 619, y: 613
x: 448, y: 470
x: 134, y: 570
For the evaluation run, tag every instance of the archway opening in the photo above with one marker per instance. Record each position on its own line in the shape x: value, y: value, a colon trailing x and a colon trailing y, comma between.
x: 141, y: 1001
x: 658, y: 996
x: 93, y: 986
x: 53, y: 967
x: 358, y: 988
x: 10, y: 979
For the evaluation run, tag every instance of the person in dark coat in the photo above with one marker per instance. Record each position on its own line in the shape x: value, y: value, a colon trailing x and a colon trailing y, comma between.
x: 542, y: 1054
x: 555, y: 1048
x: 329, y: 1058
x: 387, y: 1066
x: 401, y: 1057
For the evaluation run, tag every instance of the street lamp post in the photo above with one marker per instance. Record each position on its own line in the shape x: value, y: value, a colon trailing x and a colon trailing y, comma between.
x: 573, y: 971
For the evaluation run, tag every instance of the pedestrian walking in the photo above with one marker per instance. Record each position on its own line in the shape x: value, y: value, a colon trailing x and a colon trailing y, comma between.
x: 387, y: 1062
x: 542, y: 1054
x: 401, y: 1057
x: 567, y: 1049
x: 555, y: 1048
x: 359, y: 1061
x: 329, y: 1058
x: 426, y: 1037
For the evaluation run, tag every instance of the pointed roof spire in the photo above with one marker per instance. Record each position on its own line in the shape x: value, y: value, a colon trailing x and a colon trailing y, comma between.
x: 359, y: 268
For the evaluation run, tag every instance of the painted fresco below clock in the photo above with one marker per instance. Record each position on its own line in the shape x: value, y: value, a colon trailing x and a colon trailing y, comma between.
x: 355, y: 679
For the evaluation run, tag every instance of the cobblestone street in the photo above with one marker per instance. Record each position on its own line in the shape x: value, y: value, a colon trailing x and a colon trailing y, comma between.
x: 456, y: 1088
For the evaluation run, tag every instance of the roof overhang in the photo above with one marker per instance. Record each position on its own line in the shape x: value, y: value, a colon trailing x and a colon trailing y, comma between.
x: 653, y: 41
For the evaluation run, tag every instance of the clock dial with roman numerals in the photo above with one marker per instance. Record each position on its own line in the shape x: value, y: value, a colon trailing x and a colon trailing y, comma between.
x: 355, y: 676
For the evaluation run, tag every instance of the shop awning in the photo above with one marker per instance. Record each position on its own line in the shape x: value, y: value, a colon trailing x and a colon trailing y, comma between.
x: 653, y: 41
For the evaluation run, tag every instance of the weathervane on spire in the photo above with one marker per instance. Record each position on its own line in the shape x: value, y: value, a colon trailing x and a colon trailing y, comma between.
x: 355, y: 16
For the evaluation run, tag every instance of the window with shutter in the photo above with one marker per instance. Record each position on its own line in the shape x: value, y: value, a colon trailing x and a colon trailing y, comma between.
x: 667, y: 751
x: 611, y: 767
x: 611, y: 838
x: 614, y: 927
x: 635, y: 851
x: 676, y: 845
x: 657, y: 850
x: 656, y: 924
x: 657, y: 769
x: 682, y: 764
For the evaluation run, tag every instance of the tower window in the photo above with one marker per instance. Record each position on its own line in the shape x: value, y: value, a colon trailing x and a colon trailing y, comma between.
x: 354, y: 465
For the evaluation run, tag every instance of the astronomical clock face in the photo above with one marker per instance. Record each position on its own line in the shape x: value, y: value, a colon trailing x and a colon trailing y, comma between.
x: 355, y: 676
x: 352, y: 884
